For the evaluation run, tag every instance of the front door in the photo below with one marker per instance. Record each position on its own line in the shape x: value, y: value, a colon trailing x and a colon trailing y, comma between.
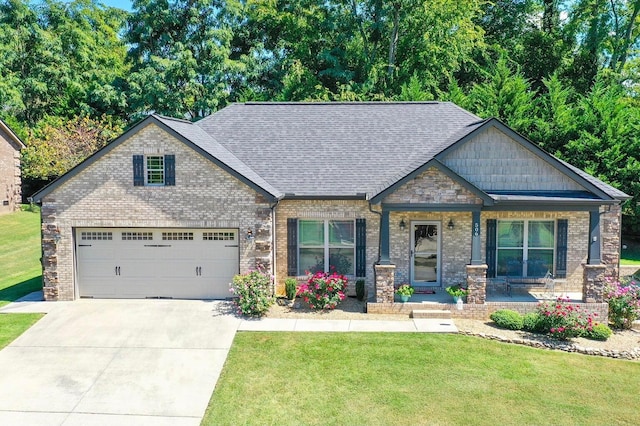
x: 425, y: 253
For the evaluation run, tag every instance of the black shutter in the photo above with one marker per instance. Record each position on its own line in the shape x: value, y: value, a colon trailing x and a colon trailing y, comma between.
x: 138, y: 170
x: 491, y: 248
x: 292, y: 247
x: 361, y: 247
x: 170, y: 170
x: 561, y: 249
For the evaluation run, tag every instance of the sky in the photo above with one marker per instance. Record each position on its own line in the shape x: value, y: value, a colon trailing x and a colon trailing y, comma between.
x: 121, y: 4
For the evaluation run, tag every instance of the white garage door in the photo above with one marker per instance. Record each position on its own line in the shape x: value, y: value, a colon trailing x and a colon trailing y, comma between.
x: 138, y: 263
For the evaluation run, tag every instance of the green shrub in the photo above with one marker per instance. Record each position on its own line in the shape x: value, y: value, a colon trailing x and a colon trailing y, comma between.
x: 531, y: 322
x: 324, y: 291
x: 360, y: 290
x: 506, y: 318
x: 598, y: 332
x: 623, y: 298
x: 254, y: 293
x: 290, y: 288
x: 562, y: 320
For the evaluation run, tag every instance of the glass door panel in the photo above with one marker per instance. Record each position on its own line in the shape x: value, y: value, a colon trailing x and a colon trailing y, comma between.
x: 425, y: 253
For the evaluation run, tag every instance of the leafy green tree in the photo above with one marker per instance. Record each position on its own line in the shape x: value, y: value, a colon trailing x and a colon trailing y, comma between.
x: 180, y: 56
x: 60, y: 59
x: 57, y: 144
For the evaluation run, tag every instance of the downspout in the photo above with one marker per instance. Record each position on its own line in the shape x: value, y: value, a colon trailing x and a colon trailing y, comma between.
x: 273, y: 244
x: 380, y: 224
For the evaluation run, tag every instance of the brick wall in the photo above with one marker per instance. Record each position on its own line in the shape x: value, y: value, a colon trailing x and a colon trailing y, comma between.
x: 10, y: 183
x: 578, y: 238
x: 103, y: 195
x: 325, y: 209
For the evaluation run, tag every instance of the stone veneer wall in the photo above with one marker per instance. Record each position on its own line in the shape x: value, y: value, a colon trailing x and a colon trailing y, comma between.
x: 103, y: 195
x: 325, y: 209
x: 610, y: 228
x: 578, y: 238
x: 10, y: 180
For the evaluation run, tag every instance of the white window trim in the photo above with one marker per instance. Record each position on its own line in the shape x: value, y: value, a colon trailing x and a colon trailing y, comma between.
x: 146, y: 170
x: 326, y: 247
x: 525, y: 241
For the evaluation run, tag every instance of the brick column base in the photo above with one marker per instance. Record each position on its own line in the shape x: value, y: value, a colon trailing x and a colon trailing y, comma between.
x: 593, y: 283
x: 477, y: 284
x: 385, y: 280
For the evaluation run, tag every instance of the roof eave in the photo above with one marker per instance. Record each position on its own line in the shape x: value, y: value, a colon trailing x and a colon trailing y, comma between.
x: 487, y: 200
x: 151, y: 119
x: 16, y: 140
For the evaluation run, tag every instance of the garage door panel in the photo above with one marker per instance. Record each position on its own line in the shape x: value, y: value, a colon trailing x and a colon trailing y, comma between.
x: 143, y: 262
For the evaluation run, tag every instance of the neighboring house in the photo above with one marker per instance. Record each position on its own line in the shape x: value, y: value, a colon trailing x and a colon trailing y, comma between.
x: 10, y: 182
x: 423, y: 192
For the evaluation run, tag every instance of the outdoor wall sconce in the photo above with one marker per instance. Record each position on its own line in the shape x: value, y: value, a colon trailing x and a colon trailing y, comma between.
x: 403, y: 225
x: 249, y: 235
x: 451, y: 225
x: 57, y: 238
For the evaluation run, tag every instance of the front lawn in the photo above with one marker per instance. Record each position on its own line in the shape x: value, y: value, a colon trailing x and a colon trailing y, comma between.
x: 407, y: 379
x: 19, y: 255
x: 13, y: 325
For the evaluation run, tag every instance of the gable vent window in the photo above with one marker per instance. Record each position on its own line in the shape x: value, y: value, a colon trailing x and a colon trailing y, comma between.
x: 96, y: 236
x: 177, y: 236
x: 154, y: 170
x: 147, y: 236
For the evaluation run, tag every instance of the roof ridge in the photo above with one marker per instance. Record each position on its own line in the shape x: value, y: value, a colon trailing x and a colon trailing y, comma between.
x: 308, y: 103
x: 166, y: 117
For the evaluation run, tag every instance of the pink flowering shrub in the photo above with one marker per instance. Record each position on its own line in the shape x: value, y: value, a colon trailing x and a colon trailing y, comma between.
x: 323, y: 291
x: 253, y: 291
x: 623, y: 298
x: 562, y: 320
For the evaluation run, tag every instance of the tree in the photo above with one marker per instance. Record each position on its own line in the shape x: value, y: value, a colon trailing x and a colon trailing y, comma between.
x: 56, y: 145
x: 60, y: 59
x: 180, y: 56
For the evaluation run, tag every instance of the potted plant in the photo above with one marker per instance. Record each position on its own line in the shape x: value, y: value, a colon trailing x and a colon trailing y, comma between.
x: 457, y: 291
x: 405, y: 291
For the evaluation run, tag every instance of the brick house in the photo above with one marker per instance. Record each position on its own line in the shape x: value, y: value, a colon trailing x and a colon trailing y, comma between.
x: 10, y: 182
x: 423, y: 193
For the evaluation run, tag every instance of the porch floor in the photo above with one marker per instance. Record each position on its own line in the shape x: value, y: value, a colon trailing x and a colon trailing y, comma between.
x: 441, y: 296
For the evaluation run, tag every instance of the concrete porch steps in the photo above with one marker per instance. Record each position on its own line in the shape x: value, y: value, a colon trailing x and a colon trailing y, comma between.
x: 431, y: 314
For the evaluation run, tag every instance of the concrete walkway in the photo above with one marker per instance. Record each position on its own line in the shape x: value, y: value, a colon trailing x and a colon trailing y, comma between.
x: 135, y: 362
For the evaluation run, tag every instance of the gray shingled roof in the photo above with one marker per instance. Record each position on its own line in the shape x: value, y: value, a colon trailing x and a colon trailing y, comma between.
x: 209, y: 144
x: 327, y: 150
x: 337, y: 149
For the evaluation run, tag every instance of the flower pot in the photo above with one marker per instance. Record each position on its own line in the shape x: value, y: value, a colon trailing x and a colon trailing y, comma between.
x: 405, y: 298
x: 455, y: 299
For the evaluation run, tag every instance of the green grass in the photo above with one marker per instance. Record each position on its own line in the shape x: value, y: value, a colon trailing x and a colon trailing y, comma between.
x: 13, y: 325
x: 408, y: 379
x: 19, y: 255
x: 631, y: 254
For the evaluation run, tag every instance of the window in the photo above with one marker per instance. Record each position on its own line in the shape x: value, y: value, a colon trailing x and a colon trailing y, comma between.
x: 96, y: 236
x: 177, y: 236
x: 326, y: 246
x: 219, y: 236
x: 525, y: 247
x: 154, y: 170
x: 146, y: 236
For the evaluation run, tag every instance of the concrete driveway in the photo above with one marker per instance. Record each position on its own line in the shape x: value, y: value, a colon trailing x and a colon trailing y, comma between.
x: 115, y: 362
